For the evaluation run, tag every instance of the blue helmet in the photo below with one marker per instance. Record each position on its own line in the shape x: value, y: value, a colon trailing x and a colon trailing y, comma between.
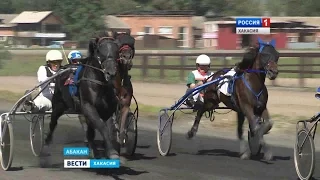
x: 74, y: 55
x: 318, y: 93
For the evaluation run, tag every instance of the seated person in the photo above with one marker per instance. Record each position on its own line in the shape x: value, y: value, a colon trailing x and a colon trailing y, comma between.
x: 53, y: 63
x: 74, y: 57
x: 318, y: 93
x: 197, y: 77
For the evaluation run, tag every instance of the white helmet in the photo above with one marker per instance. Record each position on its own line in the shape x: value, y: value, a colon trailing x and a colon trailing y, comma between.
x: 54, y: 55
x: 74, y: 55
x: 203, y: 60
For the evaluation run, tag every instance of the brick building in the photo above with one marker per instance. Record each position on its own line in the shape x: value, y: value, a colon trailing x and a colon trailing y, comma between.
x: 6, y: 28
x: 289, y: 32
x: 170, y: 24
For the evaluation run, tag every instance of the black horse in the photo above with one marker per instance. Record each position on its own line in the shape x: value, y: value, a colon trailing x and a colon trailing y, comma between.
x: 249, y: 95
x: 98, y: 100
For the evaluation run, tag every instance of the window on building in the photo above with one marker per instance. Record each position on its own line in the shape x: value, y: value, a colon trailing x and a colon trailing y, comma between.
x: 148, y: 30
x: 207, y: 28
x: 165, y: 30
x: 183, y: 37
x: 213, y: 42
x: 292, y: 39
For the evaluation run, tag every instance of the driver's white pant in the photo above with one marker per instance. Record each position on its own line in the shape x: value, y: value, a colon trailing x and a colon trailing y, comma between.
x: 42, y: 103
x: 195, y: 97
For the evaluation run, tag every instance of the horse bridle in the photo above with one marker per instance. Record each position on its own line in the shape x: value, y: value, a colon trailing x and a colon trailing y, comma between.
x: 98, y: 58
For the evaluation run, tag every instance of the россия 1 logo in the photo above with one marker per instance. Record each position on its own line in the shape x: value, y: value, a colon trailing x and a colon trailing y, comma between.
x: 87, y: 163
x: 253, y: 25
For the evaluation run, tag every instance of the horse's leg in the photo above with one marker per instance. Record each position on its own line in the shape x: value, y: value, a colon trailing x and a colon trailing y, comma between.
x: 90, y: 135
x: 253, y: 118
x: 84, y: 126
x: 192, y: 132
x: 125, y: 98
x: 124, y: 113
x: 244, y: 153
x: 268, y: 123
x: 266, y: 127
x: 91, y: 114
x: 57, y: 111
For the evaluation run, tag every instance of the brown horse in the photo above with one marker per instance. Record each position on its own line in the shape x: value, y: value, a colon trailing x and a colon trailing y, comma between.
x: 122, y: 82
x: 249, y: 96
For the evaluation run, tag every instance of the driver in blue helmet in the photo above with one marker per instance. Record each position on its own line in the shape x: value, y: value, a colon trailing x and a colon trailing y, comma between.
x: 74, y: 57
x: 318, y: 93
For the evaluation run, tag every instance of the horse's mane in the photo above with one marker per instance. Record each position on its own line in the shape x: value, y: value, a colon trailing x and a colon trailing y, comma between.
x: 94, y: 40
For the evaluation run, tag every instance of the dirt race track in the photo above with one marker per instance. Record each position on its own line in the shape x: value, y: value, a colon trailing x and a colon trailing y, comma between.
x: 213, y: 154
x: 285, y: 105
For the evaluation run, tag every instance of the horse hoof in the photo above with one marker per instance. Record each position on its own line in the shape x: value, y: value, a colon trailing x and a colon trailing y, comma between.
x: 268, y: 156
x: 123, y: 161
x: 45, y: 151
x: 245, y: 156
x: 114, y: 156
x: 43, y: 162
x: 190, y: 135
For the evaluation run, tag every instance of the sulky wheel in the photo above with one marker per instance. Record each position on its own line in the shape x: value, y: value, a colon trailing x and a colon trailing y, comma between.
x: 131, y: 135
x: 6, y: 150
x: 36, y: 134
x: 164, y: 133
x: 304, y: 155
x: 254, y: 143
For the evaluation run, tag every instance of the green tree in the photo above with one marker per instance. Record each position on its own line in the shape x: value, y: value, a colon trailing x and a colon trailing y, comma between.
x: 82, y: 18
x: 118, y: 6
x: 6, y: 7
x: 311, y: 8
x: 243, y: 8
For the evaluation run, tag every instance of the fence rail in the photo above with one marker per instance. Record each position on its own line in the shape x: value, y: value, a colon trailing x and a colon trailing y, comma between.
x: 303, y: 66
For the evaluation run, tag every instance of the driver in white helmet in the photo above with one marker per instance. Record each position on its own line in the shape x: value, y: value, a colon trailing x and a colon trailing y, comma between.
x: 195, y: 78
x: 53, y: 63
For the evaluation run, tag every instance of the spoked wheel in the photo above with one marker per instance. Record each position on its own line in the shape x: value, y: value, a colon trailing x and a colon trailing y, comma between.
x: 131, y: 135
x: 254, y: 144
x: 164, y: 133
x: 304, y: 155
x: 6, y: 150
x: 36, y: 134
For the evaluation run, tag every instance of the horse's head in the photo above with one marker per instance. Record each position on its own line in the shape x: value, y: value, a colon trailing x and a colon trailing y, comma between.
x: 268, y: 58
x: 105, y: 50
x: 126, y: 52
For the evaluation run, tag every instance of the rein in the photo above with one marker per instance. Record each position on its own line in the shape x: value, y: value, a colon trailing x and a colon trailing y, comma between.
x: 92, y: 80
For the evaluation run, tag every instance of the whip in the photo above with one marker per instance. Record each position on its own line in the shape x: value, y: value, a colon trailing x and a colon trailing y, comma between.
x: 64, y: 53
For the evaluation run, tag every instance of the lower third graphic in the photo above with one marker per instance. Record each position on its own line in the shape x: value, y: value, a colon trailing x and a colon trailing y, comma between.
x: 91, y: 163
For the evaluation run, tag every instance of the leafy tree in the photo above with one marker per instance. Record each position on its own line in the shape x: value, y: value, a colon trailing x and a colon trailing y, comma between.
x: 6, y: 7
x: 82, y: 18
x: 311, y: 8
x: 243, y: 8
x: 113, y: 7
